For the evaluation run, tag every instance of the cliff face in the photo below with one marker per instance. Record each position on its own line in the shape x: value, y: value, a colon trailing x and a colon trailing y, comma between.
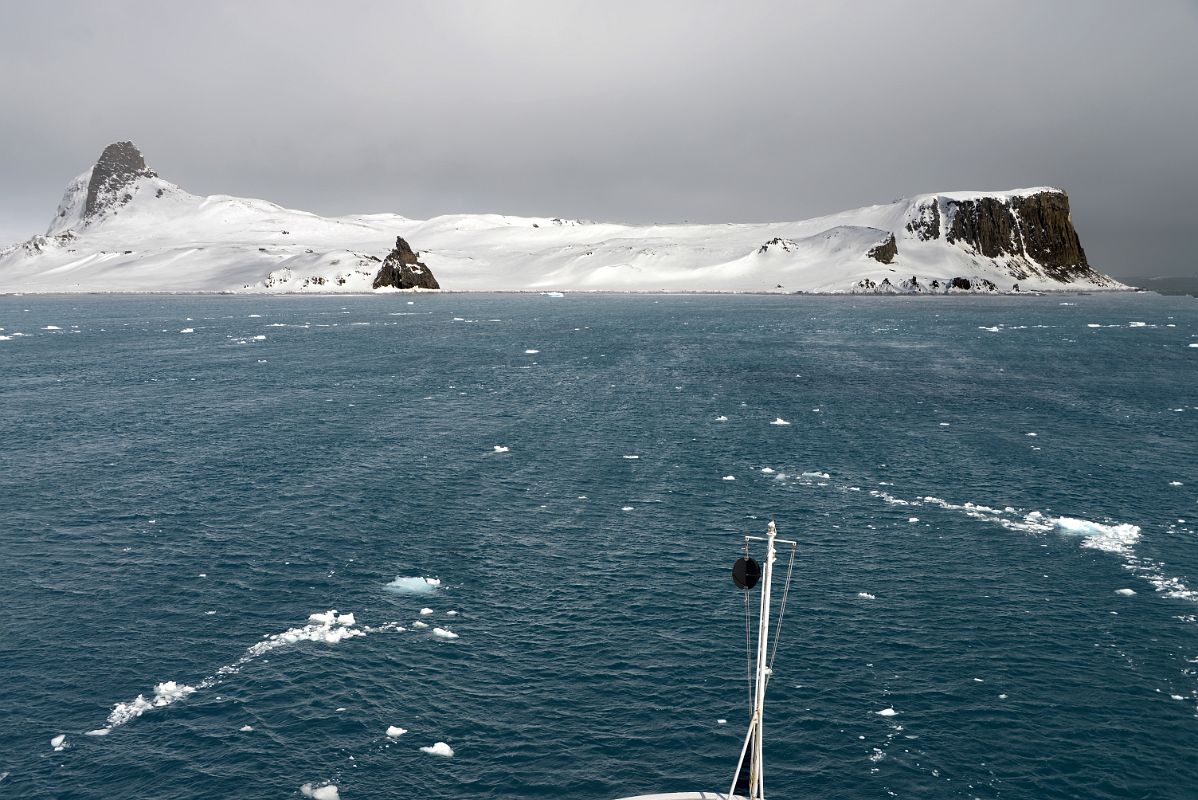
x: 1037, y: 227
x: 119, y: 165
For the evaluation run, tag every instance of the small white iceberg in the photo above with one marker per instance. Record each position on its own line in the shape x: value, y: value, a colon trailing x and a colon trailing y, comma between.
x: 394, y: 732
x: 779, y: 421
x: 438, y: 749
x: 1125, y: 592
x: 444, y: 633
x: 403, y: 585
x: 499, y: 448
x: 886, y: 712
x: 59, y: 742
x: 729, y: 478
x: 326, y: 792
x: 424, y: 612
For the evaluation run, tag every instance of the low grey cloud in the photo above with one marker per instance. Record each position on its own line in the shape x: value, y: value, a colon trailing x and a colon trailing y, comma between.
x: 636, y: 112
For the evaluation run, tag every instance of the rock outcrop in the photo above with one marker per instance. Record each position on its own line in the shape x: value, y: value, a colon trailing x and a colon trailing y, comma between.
x: 119, y: 165
x: 884, y: 252
x: 926, y: 224
x: 403, y: 270
x: 1037, y: 227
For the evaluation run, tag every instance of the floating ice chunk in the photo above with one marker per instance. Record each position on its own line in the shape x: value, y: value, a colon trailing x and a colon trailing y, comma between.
x: 260, y: 338
x: 499, y: 448
x: 246, y: 728
x: 51, y: 328
x: 395, y: 732
x: 992, y: 328
x: 531, y: 352
x: 821, y: 475
x: 912, y: 519
x: 5, y: 338
x: 886, y: 712
x: 767, y: 471
x: 943, y: 424
x: 99, y: 732
x: 346, y: 619
x: 187, y: 330
x: 632, y: 457
x: 1176, y: 697
x: 444, y: 633
x: 326, y: 792
x: 729, y: 478
x: 1125, y: 592
x: 1120, y: 538
x: 866, y: 596
x: 413, y: 585
x: 1175, y: 483
x: 721, y: 418
x: 1093, y: 325
x: 426, y: 611
x: 419, y: 624
x: 1193, y: 344
x: 1029, y: 434
x: 627, y: 508
x: 451, y: 613
x: 164, y: 694
x: 438, y: 749
x: 721, y: 722
x: 779, y: 421
x: 1137, y: 324
x: 59, y: 742
x: 1002, y: 697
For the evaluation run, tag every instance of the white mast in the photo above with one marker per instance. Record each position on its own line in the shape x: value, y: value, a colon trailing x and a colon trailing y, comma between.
x: 752, y: 746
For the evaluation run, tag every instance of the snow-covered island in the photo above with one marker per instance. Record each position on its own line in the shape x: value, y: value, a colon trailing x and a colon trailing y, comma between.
x: 121, y: 228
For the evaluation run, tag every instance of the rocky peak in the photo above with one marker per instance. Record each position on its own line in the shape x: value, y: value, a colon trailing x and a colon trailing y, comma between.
x: 403, y: 270
x: 119, y: 165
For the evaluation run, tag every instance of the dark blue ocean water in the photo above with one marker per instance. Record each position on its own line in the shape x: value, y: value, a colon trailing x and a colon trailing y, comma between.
x: 168, y: 499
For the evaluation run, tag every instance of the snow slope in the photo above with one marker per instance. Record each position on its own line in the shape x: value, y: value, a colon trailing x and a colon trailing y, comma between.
x: 155, y: 237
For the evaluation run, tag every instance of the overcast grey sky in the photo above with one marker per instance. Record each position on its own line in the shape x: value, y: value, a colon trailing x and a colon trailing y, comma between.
x: 625, y: 111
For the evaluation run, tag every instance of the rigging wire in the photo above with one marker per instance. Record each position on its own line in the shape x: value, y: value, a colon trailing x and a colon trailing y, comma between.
x: 748, y: 654
x: 794, y: 549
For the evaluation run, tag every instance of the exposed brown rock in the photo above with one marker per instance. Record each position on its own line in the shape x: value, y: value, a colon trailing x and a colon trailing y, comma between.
x: 927, y: 224
x: 119, y: 165
x: 884, y: 252
x: 403, y: 270
x: 1036, y: 226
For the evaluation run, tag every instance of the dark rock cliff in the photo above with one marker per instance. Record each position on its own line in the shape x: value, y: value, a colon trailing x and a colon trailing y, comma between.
x: 884, y: 252
x: 119, y: 165
x: 1037, y: 227
x: 403, y: 270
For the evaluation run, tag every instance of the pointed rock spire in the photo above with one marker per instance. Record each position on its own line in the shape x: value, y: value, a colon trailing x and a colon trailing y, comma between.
x: 119, y: 165
x: 403, y: 270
